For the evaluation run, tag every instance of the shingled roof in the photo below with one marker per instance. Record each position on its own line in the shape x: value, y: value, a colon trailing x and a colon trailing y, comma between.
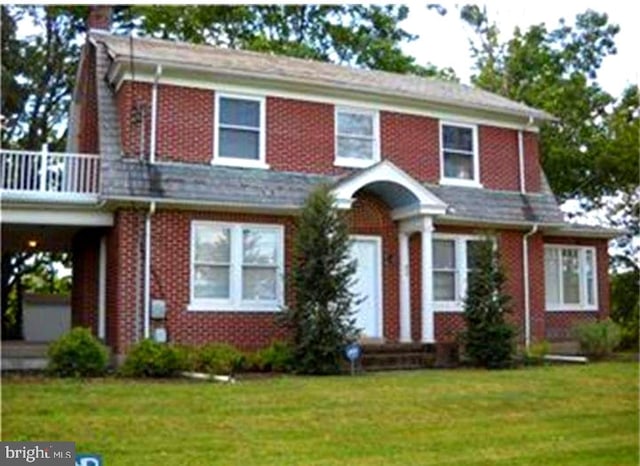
x: 233, y: 62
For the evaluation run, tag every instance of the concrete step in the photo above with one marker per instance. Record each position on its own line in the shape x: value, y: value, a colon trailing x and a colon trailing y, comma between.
x: 23, y: 364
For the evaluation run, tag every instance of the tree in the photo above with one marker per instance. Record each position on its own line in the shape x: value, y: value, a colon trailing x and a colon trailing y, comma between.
x: 625, y: 305
x: 366, y: 36
x: 321, y: 318
x: 488, y: 338
x: 590, y: 153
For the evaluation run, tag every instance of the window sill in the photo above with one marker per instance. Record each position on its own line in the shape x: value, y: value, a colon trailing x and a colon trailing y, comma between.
x: 218, y: 307
x: 241, y: 163
x: 448, y: 306
x: 576, y: 308
x: 461, y: 182
x: 353, y: 163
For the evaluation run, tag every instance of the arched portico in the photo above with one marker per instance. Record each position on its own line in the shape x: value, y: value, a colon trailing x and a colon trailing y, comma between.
x: 414, y: 207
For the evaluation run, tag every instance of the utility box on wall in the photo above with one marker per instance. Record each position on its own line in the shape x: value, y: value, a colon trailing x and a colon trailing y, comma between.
x: 158, y: 309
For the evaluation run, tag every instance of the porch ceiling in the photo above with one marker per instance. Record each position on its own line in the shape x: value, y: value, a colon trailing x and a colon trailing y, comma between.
x: 49, y: 238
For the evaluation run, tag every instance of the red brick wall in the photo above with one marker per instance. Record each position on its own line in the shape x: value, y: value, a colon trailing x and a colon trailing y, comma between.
x: 412, y: 143
x: 88, y: 100
x: 84, y: 293
x: 124, y: 280
x: 536, y: 287
x: 499, y: 165
x: 300, y: 137
x: 185, y: 124
x: 415, y: 285
x: 133, y: 102
x: 532, y: 162
x: 371, y: 216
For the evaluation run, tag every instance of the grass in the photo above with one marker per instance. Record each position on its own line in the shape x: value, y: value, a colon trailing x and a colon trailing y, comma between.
x: 559, y: 415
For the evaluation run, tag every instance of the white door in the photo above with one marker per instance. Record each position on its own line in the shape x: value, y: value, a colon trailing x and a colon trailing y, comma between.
x: 366, y: 250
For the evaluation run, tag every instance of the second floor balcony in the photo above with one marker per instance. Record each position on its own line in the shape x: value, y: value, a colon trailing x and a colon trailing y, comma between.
x: 44, y: 177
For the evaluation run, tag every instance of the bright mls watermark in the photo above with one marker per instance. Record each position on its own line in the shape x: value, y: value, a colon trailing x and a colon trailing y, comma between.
x: 37, y: 453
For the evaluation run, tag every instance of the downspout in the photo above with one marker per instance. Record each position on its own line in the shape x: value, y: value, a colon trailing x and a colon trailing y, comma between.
x: 147, y: 268
x: 525, y: 266
x: 154, y: 114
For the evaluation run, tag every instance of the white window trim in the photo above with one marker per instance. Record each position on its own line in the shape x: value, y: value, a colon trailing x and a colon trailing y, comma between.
x: 475, y: 183
x: 262, y: 140
x: 354, y: 162
x: 461, y: 271
x: 235, y: 301
x: 583, y: 305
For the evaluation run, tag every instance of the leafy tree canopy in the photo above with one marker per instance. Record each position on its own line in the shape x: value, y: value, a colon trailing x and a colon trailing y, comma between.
x: 556, y: 70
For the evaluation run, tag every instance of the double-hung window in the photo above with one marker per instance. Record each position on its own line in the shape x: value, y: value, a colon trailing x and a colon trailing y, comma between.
x: 570, y: 278
x: 459, y: 154
x: 357, y: 141
x: 452, y: 264
x: 239, y: 135
x: 236, y: 267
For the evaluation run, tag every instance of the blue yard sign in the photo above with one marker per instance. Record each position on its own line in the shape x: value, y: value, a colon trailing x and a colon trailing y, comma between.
x: 88, y: 459
x: 353, y: 352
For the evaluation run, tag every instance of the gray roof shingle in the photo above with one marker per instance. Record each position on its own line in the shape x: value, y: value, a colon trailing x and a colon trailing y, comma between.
x: 490, y: 206
x: 310, y: 72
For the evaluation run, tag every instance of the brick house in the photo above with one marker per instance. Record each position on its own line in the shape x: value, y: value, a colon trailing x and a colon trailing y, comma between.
x: 181, y: 226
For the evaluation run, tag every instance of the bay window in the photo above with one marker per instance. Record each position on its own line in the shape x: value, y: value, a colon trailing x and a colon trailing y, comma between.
x: 236, y: 266
x: 570, y: 278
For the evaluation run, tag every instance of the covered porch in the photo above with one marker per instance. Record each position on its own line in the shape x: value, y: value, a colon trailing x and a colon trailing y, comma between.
x: 409, y: 209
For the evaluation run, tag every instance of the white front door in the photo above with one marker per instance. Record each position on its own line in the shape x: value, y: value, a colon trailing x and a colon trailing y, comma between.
x: 367, y: 285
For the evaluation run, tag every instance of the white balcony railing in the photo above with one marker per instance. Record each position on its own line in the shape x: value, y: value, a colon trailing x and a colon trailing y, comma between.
x: 49, y: 173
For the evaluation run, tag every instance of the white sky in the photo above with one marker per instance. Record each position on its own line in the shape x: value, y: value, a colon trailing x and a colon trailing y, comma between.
x: 444, y: 40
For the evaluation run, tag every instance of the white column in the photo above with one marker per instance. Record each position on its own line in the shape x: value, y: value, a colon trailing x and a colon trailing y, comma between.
x: 428, y: 334
x: 102, y: 289
x: 405, y: 290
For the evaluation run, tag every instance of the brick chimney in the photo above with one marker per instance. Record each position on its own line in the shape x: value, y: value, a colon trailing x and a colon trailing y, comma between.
x: 99, y: 17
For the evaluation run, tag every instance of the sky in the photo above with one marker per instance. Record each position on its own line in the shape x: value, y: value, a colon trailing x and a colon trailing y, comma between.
x: 444, y: 41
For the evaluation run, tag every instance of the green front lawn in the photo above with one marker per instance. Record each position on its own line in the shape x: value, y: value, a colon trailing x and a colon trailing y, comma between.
x: 582, y: 415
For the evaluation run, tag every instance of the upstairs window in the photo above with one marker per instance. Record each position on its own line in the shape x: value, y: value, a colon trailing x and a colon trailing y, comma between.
x: 570, y: 278
x: 239, y: 133
x: 357, y: 142
x: 459, y: 154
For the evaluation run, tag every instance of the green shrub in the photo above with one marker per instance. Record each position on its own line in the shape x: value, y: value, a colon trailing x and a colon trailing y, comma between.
x: 77, y: 354
x: 277, y: 357
x: 488, y: 337
x: 151, y: 359
x: 217, y: 358
x: 598, y: 339
x: 536, y: 353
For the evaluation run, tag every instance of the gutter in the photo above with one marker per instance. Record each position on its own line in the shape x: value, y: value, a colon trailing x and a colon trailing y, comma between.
x: 154, y: 114
x: 147, y: 268
x: 525, y: 266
